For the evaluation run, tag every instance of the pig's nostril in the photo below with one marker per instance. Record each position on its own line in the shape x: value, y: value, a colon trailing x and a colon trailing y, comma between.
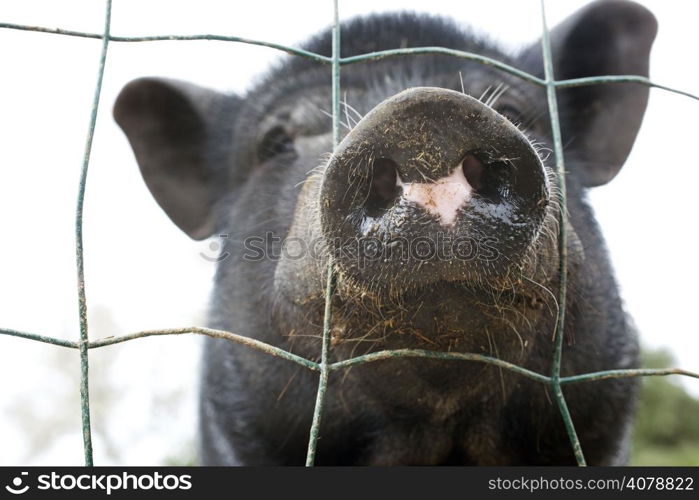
x: 491, y: 180
x: 384, y: 186
x: 473, y: 171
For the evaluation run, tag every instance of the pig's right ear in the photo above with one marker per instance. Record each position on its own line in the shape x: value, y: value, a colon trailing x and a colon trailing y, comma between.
x: 180, y: 134
x: 600, y: 122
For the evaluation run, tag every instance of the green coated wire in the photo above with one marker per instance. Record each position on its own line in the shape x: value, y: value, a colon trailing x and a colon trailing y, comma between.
x: 82, y: 301
x: 562, y: 242
x: 330, y: 279
x: 574, y: 82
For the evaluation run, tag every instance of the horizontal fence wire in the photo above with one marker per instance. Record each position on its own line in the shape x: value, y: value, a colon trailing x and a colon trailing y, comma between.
x: 357, y: 360
x: 325, y: 367
x: 370, y: 56
x: 506, y: 68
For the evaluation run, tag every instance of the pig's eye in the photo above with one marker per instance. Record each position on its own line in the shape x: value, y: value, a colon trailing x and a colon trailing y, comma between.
x: 274, y: 143
x: 510, y: 112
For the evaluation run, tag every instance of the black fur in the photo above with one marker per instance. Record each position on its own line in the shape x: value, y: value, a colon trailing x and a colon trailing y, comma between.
x: 256, y: 409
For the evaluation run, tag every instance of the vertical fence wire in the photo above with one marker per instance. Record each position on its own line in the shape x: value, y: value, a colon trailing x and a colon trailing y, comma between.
x: 324, y: 369
x: 330, y: 279
x: 562, y: 239
x: 82, y: 301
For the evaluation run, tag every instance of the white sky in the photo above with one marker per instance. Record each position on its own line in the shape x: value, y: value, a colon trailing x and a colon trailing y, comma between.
x: 142, y: 273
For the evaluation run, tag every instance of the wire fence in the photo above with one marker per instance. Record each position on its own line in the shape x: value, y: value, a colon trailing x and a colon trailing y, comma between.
x: 325, y: 367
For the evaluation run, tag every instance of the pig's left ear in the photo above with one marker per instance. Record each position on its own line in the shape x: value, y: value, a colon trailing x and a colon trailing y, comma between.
x: 599, y: 122
x: 181, y: 136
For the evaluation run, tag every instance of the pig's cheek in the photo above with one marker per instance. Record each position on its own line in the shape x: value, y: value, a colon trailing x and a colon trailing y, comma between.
x: 304, y: 253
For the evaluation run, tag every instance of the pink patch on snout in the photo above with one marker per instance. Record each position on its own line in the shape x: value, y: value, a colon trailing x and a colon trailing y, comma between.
x: 442, y: 198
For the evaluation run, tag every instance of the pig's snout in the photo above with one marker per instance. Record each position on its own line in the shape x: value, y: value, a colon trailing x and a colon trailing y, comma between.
x: 432, y: 185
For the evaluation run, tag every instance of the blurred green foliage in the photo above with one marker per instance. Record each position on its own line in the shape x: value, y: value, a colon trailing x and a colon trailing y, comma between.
x: 667, y: 422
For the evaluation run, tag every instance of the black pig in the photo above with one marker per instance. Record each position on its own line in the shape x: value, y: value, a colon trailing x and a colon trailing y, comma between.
x: 437, y: 210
